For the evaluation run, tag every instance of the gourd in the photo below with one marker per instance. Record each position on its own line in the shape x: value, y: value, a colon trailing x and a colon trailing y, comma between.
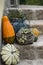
x: 36, y: 33
x: 19, y: 24
x: 25, y: 36
x: 10, y: 55
x: 8, y: 32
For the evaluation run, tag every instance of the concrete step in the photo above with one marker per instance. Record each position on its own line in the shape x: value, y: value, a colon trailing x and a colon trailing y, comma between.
x: 31, y: 62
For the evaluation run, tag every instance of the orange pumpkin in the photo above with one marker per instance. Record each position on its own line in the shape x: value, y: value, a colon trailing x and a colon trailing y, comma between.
x: 8, y: 32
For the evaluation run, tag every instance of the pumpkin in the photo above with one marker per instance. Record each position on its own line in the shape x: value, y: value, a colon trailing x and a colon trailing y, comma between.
x: 35, y: 31
x: 36, y: 34
x: 25, y: 36
x: 10, y: 55
x: 19, y: 24
x: 8, y: 32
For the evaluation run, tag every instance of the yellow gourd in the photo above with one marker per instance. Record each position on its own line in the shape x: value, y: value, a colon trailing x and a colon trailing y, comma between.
x: 35, y: 31
x: 8, y: 32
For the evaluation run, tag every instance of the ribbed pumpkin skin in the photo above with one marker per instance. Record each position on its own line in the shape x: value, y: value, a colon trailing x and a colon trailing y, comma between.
x: 8, y: 32
x: 10, y: 54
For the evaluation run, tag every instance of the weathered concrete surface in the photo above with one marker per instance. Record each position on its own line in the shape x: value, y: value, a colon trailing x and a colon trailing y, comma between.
x: 31, y: 62
x: 31, y: 54
x: 33, y: 7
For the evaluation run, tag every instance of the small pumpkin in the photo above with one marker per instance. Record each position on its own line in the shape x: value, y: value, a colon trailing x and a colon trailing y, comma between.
x: 19, y: 24
x: 8, y: 32
x: 35, y: 31
x: 25, y: 36
x: 36, y: 34
x: 10, y: 55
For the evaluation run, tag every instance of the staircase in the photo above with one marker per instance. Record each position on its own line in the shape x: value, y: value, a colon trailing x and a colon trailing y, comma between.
x: 29, y: 54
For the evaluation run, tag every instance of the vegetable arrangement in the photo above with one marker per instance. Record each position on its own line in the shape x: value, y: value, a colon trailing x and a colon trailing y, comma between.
x: 9, y: 53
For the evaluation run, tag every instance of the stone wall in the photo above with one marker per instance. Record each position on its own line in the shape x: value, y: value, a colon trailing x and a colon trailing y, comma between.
x: 33, y: 15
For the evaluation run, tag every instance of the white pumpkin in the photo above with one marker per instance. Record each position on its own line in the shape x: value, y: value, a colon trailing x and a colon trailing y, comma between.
x: 10, y: 55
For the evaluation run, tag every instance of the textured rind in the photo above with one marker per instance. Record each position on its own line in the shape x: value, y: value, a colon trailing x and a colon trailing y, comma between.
x: 25, y: 36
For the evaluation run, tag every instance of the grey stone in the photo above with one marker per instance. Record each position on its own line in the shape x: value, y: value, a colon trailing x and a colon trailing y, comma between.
x: 31, y: 62
x: 25, y: 62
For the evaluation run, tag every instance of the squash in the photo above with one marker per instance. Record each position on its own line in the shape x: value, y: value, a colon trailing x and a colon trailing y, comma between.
x: 19, y: 24
x: 9, y: 54
x: 25, y: 36
x: 36, y: 34
x: 35, y: 31
x: 8, y: 32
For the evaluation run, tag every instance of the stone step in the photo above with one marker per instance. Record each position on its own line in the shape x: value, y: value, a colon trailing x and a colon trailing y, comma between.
x: 31, y: 62
x: 30, y: 52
